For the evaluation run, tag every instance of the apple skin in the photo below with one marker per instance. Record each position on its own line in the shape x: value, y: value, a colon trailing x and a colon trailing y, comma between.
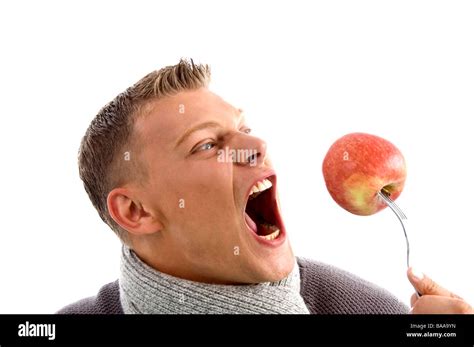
x: 357, y: 166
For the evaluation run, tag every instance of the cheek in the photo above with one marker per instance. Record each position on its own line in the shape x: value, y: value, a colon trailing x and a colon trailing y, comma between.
x: 206, y: 182
x: 195, y: 195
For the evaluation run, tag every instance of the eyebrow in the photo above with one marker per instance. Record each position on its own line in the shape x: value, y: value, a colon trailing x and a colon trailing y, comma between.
x: 210, y: 124
x: 201, y: 126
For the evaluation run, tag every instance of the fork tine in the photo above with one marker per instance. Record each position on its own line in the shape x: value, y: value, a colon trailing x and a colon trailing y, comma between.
x: 392, y: 204
x: 401, y: 216
x: 399, y: 210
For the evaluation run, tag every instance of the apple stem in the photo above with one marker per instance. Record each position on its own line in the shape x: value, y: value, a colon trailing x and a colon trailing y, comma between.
x: 386, y: 192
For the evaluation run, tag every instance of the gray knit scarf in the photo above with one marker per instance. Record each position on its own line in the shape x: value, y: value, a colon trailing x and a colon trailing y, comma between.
x: 146, y: 290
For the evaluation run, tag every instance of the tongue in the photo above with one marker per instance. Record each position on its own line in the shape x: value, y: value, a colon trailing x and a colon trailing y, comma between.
x: 250, y: 223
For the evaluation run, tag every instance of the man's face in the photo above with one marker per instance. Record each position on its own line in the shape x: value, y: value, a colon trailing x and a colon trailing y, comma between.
x: 202, y: 164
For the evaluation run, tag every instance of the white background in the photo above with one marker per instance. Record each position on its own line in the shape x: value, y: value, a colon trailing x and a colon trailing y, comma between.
x: 306, y: 72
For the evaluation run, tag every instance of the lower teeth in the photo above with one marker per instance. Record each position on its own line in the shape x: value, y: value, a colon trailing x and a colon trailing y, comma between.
x: 273, y: 235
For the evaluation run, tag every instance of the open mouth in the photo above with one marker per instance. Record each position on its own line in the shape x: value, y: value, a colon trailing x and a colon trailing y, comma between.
x: 261, y: 212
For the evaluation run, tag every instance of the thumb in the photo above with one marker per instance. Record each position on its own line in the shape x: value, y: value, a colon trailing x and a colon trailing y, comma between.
x: 426, y: 286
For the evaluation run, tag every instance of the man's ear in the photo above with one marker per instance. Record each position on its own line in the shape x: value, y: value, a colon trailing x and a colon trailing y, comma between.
x: 130, y: 214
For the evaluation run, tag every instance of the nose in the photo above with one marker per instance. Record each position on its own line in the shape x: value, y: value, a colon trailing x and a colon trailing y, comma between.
x: 249, y: 150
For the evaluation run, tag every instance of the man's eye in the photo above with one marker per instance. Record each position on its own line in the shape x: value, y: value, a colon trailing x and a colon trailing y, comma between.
x: 246, y: 130
x: 204, y: 147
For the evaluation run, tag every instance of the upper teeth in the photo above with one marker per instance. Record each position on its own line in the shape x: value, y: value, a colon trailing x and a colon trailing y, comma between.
x: 260, y: 187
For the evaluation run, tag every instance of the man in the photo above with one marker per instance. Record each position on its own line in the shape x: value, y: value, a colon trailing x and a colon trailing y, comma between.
x: 175, y: 171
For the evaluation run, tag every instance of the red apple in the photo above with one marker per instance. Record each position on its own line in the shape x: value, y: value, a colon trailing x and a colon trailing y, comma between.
x: 358, y: 166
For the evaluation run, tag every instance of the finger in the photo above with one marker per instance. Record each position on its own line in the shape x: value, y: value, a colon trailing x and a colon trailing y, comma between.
x: 426, y: 286
x: 435, y: 304
x: 414, y: 298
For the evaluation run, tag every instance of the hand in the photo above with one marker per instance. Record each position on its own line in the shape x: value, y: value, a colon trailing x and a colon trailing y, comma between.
x: 434, y: 299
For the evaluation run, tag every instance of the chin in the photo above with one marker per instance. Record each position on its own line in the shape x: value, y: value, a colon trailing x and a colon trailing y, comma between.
x: 275, y: 268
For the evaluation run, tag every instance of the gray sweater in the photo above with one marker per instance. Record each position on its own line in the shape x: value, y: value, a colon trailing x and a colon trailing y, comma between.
x: 324, y: 288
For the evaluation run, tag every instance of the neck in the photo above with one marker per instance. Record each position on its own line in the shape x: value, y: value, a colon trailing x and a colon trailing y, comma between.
x: 146, y: 290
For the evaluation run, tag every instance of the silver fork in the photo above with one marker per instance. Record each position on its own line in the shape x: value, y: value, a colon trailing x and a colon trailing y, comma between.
x: 385, y: 196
